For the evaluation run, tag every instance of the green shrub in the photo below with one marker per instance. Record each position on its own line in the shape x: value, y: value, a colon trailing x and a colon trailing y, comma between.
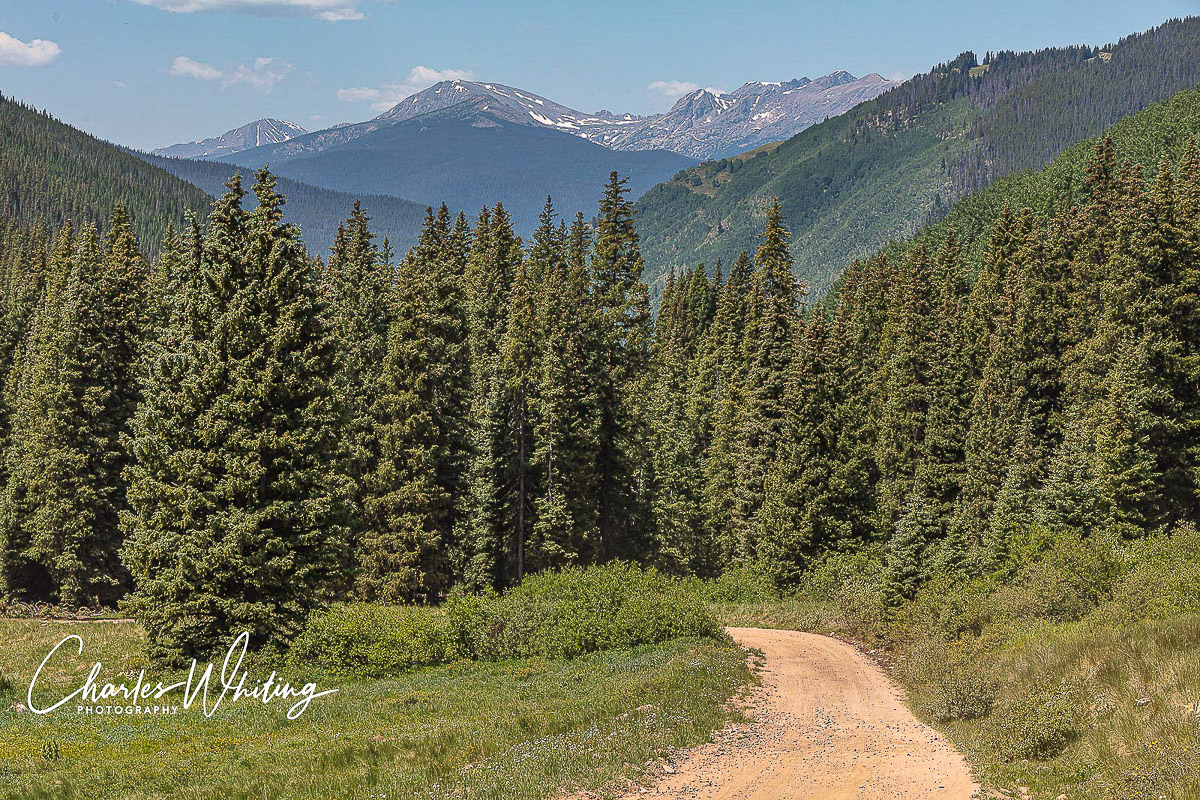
x: 373, y: 641
x: 738, y: 585
x: 1036, y: 724
x: 565, y: 614
x: 1064, y: 580
x: 857, y: 584
x: 1164, y: 580
x: 949, y: 607
x: 551, y: 615
x: 464, y: 612
x: 953, y: 683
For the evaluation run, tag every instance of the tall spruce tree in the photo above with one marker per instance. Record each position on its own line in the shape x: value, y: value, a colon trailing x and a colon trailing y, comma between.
x: 415, y: 500
x: 358, y: 285
x: 775, y: 295
x: 238, y: 498
x: 567, y: 412
x: 491, y: 269
x: 623, y: 304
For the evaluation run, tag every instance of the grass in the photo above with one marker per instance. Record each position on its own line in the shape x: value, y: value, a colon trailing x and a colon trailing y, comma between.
x: 525, y: 728
x: 1129, y: 727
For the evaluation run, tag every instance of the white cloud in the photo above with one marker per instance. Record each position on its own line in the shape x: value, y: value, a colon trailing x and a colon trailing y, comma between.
x: 264, y: 74
x: 672, y: 88
x: 184, y: 67
x: 37, y: 53
x: 120, y: 84
x: 328, y: 10
x: 678, y: 88
x: 387, y: 95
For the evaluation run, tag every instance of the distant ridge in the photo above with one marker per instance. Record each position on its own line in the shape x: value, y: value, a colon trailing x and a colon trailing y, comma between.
x: 252, y: 134
x: 703, y: 124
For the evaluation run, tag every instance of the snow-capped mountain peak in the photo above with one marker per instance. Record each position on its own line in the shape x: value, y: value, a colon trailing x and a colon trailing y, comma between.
x: 252, y: 134
x: 705, y: 124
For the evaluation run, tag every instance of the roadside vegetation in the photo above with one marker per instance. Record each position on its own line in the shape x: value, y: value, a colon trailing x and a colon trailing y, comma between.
x: 1073, y: 670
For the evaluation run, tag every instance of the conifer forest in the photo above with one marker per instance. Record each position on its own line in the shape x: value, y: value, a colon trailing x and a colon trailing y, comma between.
x: 237, y: 431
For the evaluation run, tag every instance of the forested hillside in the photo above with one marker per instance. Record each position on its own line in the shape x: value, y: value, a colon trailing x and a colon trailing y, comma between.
x: 1163, y: 129
x: 51, y: 173
x: 315, y: 209
x: 880, y: 171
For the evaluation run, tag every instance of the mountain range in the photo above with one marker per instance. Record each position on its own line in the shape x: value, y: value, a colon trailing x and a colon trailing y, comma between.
x: 467, y: 155
x: 702, y: 124
x: 469, y: 143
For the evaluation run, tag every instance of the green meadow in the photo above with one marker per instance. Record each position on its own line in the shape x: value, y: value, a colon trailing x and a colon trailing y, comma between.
x: 522, y: 728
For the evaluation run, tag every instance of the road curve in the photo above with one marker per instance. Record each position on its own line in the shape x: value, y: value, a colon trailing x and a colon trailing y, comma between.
x: 827, y: 724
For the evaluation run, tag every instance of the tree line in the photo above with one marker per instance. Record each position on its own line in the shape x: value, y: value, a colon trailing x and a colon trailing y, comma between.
x: 236, y: 433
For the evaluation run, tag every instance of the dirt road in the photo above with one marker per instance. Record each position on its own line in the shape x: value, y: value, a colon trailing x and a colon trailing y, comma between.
x: 828, y: 724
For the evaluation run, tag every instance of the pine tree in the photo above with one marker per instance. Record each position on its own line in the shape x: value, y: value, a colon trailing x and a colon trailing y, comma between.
x: 904, y: 386
x: 623, y: 305
x: 239, y: 505
x: 940, y: 473
x: 358, y: 286
x: 519, y: 357
x: 775, y: 295
x: 799, y: 516
x: 676, y: 461
x: 567, y: 408
x: 37, y: 501
x: 65, y: 490
x: 415, y: 502
x: 494, y: 260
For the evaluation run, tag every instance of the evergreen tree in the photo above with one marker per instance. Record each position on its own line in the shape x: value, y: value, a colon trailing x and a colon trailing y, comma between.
x: 623, y: 305
x: 904, y: 385
x: 358, y: 286
x: 491, y: 269
x: 239, y: 505
x: 775, y: 295
x: 415, y: 500
x: 567, y: 408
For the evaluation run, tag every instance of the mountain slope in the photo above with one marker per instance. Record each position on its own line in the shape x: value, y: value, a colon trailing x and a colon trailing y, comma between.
x: 51, y: 172
x: 852, y: 183
x: 469, y: 155
x: 316, y: 210
x: 252, y: 134
x: 1162, y: 130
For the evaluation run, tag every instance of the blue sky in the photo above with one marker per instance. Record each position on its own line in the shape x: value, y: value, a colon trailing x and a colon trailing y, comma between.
x: 147, y: 73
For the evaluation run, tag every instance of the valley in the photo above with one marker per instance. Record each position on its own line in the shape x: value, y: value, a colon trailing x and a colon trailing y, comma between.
x: 819, y: 438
